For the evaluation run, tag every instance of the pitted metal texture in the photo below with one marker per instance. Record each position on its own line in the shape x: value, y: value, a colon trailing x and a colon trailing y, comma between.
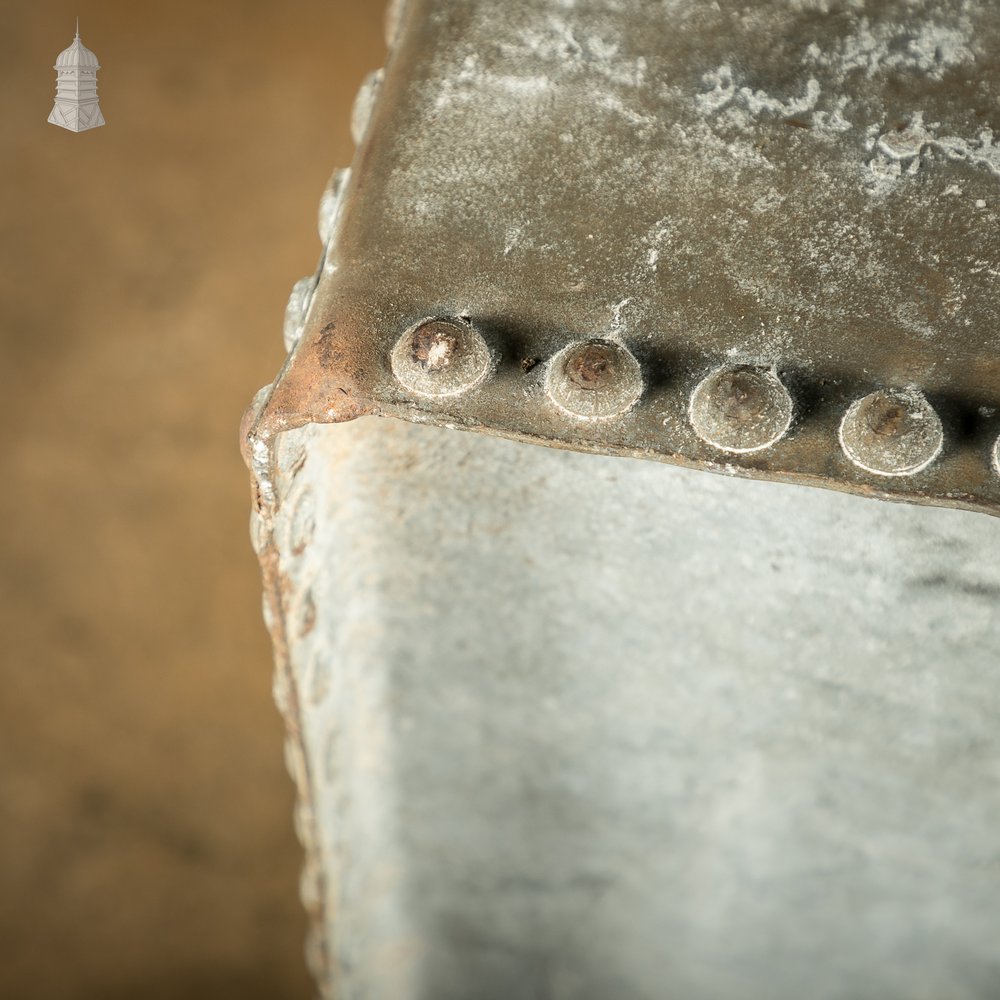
x: 805, y: 188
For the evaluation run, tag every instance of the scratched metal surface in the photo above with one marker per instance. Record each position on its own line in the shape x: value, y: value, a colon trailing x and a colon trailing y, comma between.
x: 575, y: 727
x: 812, y: 185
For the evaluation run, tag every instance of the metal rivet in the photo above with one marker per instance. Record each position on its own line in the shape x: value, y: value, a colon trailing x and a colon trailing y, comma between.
x: 296, y: 311
x: 892, y: 432
x: 364, y: 104
x: 594, y: 379
x: 441, y: 357
x: 741, y: 409
x: 331, y: 202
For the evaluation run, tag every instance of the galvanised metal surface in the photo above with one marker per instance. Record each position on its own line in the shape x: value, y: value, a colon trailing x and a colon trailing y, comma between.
x: 575, y: 726
x: 805, y: 188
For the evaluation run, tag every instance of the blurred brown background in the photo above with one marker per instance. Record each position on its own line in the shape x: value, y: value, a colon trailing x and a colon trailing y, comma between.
x: 146, y: 844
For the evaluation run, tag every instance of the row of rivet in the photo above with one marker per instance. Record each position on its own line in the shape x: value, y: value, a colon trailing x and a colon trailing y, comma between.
x: 737, y: 408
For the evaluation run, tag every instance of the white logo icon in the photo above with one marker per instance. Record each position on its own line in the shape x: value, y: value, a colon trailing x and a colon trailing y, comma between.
x: 76, y: 106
